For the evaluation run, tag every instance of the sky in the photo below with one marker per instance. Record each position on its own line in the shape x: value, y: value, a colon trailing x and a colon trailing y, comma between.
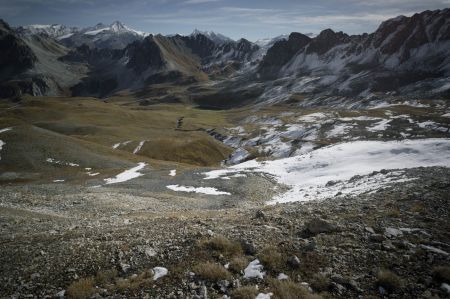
x: 251, y: 19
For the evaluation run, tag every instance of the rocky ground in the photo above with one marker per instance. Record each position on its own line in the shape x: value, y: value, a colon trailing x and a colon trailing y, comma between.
x: 82, y: 242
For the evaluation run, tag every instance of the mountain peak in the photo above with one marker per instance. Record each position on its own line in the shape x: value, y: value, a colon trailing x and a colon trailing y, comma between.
x: 215, y: 37
x: 118, y: 26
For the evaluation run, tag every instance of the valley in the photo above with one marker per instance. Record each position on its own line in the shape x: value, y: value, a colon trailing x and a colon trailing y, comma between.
x: 143, y: 165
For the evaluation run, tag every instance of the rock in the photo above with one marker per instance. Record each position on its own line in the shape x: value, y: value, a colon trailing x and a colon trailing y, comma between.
x: 391, y: 232
x: 150, y: 252
x: 445, y: 287
x: 382, y: 291
x: 35, y: 276
x: 317, y: 226
x: 369, y: 229
x: 60, y: 294
x: 260, y: 215
x: 237, y: 283
x: 248, y: 247
x: 223, y: 285
x: 294, y: 262
x: 377, y: 238
x: 331, y: 183
x: 124, y: 267
x: 282, y: 276
x: 204, y: 292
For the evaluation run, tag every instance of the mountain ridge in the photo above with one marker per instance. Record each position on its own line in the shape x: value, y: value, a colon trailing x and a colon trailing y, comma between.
x: 331, y: 63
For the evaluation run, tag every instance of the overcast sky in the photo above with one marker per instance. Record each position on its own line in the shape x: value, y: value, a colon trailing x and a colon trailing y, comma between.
x: 252, y: 19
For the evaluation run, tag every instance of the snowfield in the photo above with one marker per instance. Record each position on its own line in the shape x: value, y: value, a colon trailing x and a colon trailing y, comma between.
x: 204, y: 190
x: 320, y: 173
x: 127, y: 174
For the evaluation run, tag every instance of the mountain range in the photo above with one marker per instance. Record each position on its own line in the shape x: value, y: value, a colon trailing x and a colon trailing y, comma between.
x: 405, y: 55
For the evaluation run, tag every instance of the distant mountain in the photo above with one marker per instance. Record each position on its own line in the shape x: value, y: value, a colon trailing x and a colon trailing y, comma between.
x: 215, y: 37
x: 56, y: 31
x: 405, y: 55
x: 115, y: 36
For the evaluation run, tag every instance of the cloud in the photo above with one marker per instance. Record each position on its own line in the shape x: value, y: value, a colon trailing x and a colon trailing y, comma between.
x: 199, y: 1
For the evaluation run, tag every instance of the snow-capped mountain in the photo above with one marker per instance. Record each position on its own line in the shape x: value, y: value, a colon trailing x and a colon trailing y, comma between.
x: 215, y: 37
x: 115, y: 28
x: 116, y: 35
x: 405, y: 54
x: 55, y: 31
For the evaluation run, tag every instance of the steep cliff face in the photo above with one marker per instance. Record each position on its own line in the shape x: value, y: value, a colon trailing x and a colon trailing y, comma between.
x: 16, y: 55
x: 281, y: 53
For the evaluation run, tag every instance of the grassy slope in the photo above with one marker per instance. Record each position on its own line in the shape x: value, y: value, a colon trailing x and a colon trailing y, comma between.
x: 83, y: 131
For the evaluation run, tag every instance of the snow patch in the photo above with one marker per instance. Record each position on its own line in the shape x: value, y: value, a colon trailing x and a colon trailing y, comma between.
x: 204, y: 190
x: 54, y: 161
x: 282, y: 276
x: 117, y: 145
x: 308, y: 174
x: 159, y: 272
x: 264, y: 296
x: 5, y: 130
x: 139, y: 147
x: 379, y: 126
x: 173, y: 172
x: 254, y: 270
x: 127, y: 174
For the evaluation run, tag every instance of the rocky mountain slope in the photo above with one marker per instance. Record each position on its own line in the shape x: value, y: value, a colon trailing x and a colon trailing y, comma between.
x: 405, y: 55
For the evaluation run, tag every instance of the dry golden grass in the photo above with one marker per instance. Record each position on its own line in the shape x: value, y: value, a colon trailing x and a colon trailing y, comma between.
x: 271, y: 258
x: 394, y: 212
x: 238, y: 264
x: 248, y: 292
x: 320, y: 282
x: 106, y: 276
x: 81, y: 289
x: 290, y: 290
x: 417, y: 207
x: 222, y: 245
x: 388, y: 280
x: 211, y: 271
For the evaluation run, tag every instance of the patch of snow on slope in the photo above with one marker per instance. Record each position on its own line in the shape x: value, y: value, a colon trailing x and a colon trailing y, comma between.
x: 159, y: 272
x: 127, y: 174
x: 117, y: 145
x: 339, y: 130
x: 382, y: 125
x: 2, y: 143
x: 173, y: 172
x: 308, y: 174
x: 139, y: 147
x: 314, y: 117
x: 264, y: 296
x: 54, y: 161
x: 204, y: 190
x: 431, y: 125
x: 254, y: 270
x: 5, y: 130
